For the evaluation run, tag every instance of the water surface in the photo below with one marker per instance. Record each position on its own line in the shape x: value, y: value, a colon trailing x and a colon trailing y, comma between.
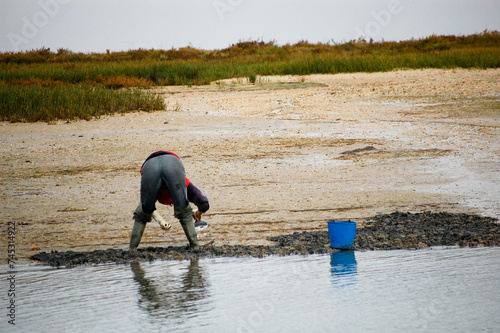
x: 431, y: 290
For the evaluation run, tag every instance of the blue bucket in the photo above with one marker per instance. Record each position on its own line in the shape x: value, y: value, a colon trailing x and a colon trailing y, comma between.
x: 342, y: 234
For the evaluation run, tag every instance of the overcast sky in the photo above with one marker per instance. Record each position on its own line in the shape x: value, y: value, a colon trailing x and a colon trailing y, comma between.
x: 120, y: 25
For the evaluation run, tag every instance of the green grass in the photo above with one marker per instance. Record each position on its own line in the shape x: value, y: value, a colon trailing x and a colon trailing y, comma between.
x: 36, y: 103
x: 58, y: 84
x: 201, y: 71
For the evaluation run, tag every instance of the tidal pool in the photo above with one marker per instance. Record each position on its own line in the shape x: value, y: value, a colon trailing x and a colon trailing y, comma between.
x: 429, y: 290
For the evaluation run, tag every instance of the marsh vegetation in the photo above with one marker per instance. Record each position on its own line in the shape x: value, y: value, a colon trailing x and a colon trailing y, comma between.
x: 42, y: 85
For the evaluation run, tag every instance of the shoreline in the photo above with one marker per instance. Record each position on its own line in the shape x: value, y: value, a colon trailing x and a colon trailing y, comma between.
x: 394, y: 231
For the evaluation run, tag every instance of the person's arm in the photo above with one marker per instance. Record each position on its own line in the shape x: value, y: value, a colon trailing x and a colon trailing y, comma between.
x: 195, y: 196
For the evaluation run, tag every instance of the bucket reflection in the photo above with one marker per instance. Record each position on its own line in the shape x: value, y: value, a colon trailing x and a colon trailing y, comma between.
x: 343, y: 267
x: 171, y: 295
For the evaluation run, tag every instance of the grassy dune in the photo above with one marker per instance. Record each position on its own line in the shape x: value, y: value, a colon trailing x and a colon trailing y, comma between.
x: 42, y: 85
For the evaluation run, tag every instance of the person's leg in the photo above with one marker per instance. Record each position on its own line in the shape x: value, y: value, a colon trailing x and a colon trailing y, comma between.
x: 185, y: 216
x: 151, y: 178
x: 174, y: 176
x: 140, y: 220
x: 150, y: 185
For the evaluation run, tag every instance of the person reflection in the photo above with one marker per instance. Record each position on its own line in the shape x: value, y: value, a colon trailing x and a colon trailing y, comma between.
x: 173, y: 295
x: 343, y: 267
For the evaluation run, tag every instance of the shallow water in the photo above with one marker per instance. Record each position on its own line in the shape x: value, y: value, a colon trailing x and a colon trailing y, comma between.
x: 439, y: 289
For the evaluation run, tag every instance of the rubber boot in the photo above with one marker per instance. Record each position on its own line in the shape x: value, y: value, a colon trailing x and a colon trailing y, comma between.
x: 185, y: 216
x: 137, y: 231
x: 140, y: 220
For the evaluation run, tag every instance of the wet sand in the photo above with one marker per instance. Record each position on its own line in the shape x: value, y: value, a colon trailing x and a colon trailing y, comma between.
x: 382, y: 232
x: 284, y: 155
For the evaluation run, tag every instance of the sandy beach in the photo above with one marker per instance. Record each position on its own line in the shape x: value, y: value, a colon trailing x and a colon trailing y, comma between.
x: 285, y: 154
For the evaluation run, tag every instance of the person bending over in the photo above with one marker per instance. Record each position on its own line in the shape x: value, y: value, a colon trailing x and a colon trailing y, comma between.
x: 163, y: 179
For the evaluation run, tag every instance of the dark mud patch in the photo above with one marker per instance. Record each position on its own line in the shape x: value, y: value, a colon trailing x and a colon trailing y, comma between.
x: 414, y: 231
x: 382, y: 232
x: 359, y: 150
x: 368, y: 152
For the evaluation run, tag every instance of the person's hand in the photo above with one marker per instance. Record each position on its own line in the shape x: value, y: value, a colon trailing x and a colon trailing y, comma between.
x: 197, y: 215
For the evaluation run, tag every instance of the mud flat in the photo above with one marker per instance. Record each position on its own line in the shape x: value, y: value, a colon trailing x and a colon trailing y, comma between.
x: 382, y: 232
x: 282, y: 156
